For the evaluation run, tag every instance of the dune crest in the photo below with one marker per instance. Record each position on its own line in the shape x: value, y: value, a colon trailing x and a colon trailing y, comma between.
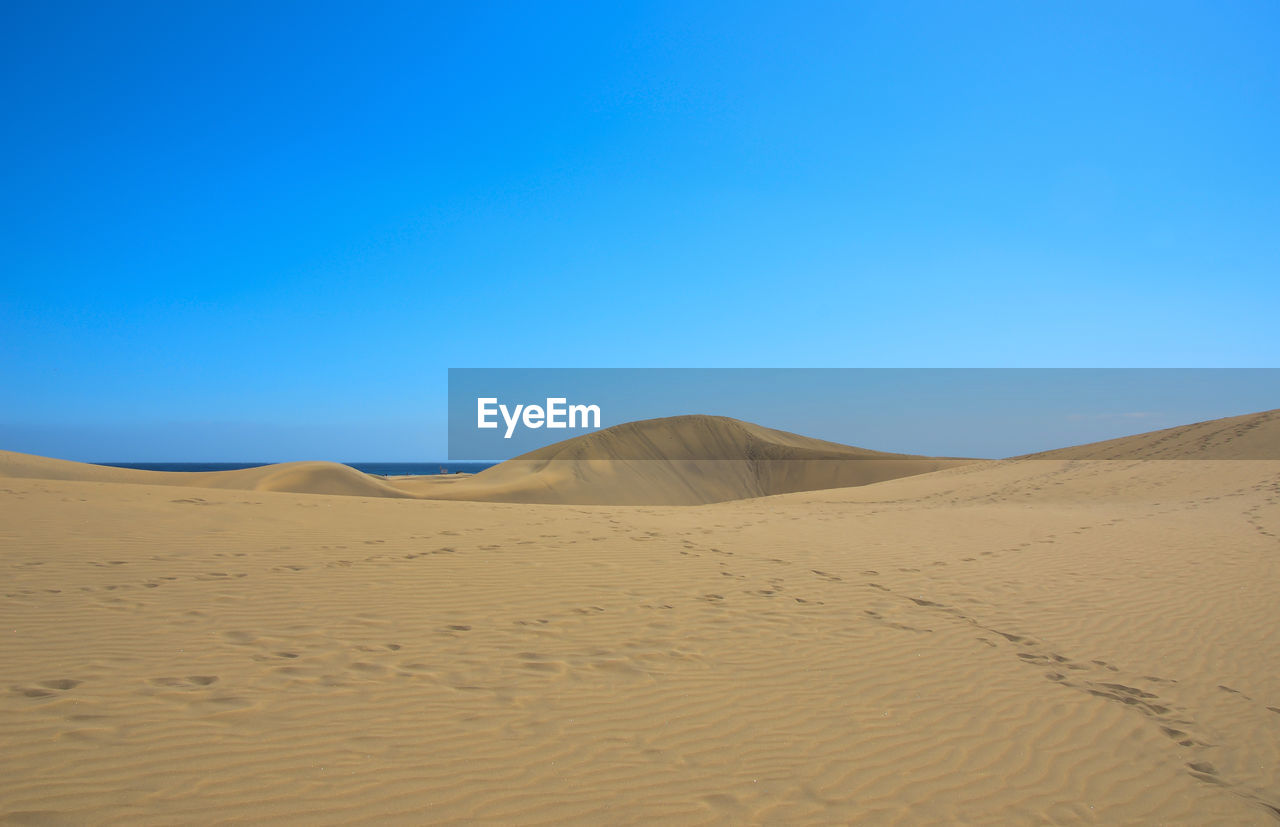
x: 679, y: 460
x: 682, y: 460
x: 293, y: 477
x: 1250, y: 436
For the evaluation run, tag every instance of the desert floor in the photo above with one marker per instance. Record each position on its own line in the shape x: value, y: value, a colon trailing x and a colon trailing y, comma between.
x: 1033, y: 641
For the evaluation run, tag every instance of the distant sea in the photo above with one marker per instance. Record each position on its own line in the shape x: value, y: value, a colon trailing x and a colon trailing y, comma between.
x: 382, y: 469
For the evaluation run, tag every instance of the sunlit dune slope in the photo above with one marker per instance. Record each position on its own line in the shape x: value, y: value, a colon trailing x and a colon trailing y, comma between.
x: 296, y: 477
x: 1251, y: 436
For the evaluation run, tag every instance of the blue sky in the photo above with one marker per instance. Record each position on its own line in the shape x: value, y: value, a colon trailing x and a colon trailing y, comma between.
x: 265, y: 230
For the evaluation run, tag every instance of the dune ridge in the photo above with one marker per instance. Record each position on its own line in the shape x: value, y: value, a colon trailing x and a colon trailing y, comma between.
x: 683, y: 460
x: 295, y: 477
x: 1249, y: 436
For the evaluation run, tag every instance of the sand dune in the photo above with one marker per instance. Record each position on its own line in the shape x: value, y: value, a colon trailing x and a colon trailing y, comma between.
x: 298, y: 477
x: 1252, y: 436
x: 1023, y: 641
x: 682, y: 460
x: 685, y: 460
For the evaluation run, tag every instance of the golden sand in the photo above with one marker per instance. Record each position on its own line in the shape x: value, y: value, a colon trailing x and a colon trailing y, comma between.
x: 1027, y: 641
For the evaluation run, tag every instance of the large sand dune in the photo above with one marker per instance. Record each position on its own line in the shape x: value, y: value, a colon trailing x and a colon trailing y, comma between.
x: 684, y: 460
x: 681, y: 460
x: 1023, y: 641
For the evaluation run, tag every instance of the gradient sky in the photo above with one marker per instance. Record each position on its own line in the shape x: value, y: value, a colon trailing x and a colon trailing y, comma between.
x: 263, y: 231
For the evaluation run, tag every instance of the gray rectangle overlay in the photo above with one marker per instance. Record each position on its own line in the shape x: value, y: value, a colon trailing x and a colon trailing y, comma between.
x: 500, y: 413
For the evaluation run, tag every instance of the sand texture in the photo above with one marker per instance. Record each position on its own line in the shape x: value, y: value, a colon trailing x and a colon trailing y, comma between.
x: 1026, y: 641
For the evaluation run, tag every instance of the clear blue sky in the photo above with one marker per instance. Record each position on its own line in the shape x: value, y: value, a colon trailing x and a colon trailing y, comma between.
x: 265, y: 230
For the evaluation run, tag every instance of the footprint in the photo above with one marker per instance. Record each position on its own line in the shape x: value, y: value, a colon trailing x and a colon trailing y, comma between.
x: 185, y: 683
x: 167, y: 682
x: 47, y: 688
x: 1204, y: 771
x: 32, y: 693
x: 1128, y: 690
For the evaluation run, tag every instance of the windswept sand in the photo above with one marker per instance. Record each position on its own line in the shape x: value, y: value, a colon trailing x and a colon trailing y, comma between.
x: 1020, y: 641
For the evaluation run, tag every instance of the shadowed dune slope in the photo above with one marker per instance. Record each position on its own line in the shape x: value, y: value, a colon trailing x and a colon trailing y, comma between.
x: 680, y: 460
x: 1251, y: 436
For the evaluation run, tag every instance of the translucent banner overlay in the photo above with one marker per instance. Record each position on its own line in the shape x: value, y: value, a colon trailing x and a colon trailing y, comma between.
x: 501, y: 413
